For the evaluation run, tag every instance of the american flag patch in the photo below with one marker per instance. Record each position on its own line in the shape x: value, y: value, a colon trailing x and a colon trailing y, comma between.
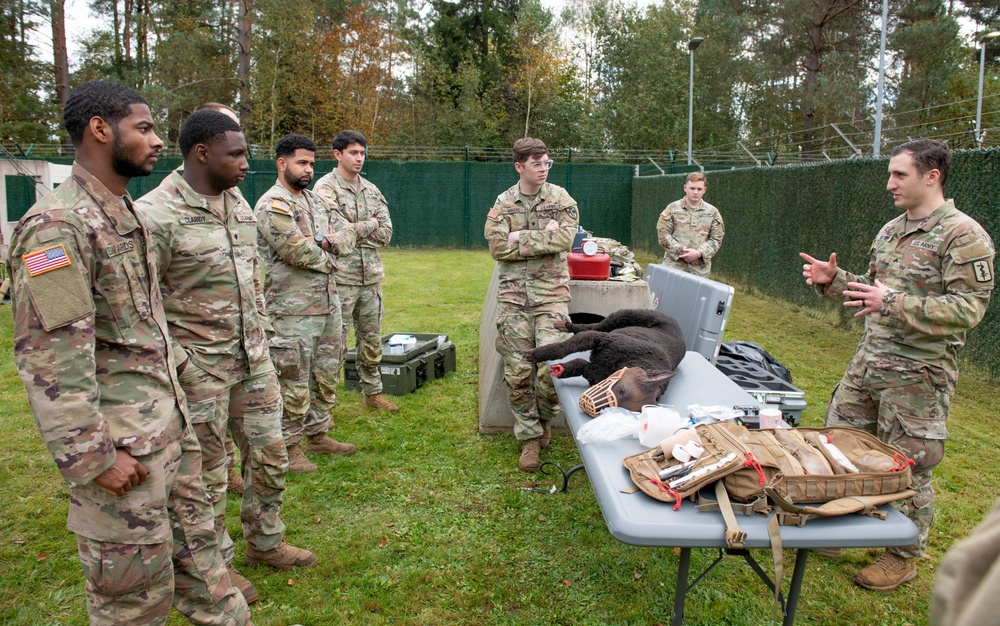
x: 45, y: 260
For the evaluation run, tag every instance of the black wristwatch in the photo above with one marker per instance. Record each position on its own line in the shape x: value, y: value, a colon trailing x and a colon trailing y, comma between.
x: 319, y: 240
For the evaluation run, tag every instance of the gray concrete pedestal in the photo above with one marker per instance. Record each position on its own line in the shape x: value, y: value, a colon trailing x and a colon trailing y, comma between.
x: 597, y: 297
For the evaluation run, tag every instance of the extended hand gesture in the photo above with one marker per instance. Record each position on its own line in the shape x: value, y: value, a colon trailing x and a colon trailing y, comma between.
x: 819, y: 272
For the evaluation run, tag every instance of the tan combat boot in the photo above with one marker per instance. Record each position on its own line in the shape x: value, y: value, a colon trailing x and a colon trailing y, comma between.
x: 235, y: 481
x: 381, y: 403
x: 887, y: 572
x: 324, y: 444
x: 529, y: 460
x: 284, y: 557
x: 245, y: 586
x: 297, y: 462
x: 546, y: 437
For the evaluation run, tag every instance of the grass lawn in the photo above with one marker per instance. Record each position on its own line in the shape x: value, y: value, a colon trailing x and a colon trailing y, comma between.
x: 428, y: 524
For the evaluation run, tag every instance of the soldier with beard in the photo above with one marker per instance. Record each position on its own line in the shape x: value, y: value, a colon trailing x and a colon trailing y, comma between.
x: 299, y: 240
x: 91, y: 344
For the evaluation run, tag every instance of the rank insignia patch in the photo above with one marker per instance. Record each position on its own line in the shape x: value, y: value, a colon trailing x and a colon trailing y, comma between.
x: 46, y: 260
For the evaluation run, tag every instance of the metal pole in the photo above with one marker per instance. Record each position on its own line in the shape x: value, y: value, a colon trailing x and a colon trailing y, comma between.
x: 877, y: 143
x: 691, y: 103
x: 979, y: 100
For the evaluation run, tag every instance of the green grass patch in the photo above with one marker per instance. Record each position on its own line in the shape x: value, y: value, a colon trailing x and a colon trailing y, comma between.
x: 428, y: 524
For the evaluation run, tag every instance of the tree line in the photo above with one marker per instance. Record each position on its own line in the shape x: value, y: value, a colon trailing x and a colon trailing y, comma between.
x: 788, y: 77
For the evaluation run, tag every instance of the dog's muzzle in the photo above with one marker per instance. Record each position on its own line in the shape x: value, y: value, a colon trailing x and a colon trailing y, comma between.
x: 601, y: 395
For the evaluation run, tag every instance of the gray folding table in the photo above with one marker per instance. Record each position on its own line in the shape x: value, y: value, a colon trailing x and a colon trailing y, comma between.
x: 637, y: 519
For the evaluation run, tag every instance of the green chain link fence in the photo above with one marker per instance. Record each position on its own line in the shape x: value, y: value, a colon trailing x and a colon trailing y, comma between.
x: 444, y: 204
x: 773, y: 214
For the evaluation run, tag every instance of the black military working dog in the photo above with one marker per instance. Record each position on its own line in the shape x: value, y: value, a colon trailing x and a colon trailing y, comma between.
x: 647, y: 342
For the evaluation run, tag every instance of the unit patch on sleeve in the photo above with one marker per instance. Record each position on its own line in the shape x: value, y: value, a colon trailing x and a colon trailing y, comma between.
x: 984, y: 273
x: 46, y: 260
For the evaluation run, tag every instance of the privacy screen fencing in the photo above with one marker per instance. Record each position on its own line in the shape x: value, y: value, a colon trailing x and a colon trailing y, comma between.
x: 444, y: 204
x: 773, y: 214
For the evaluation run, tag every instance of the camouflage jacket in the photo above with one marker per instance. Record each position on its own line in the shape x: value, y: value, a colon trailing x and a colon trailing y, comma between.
x: 939, y: 274
x: 368, y: 212
x: 209, y: 276
x: 533, y: 271
x: 90, y: 335
x: 299, y: 275
x: 681, y: 226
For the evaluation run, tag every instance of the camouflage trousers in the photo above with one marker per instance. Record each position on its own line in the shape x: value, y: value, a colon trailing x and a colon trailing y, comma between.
x: 253, y: 405
x: 362, y: 306
x: 168, y: 556
x: 533, y: 398
x: 904, y: 409
x: 306, y: 350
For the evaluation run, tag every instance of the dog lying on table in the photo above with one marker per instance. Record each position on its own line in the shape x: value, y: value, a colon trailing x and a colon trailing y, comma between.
x: 633, y: 355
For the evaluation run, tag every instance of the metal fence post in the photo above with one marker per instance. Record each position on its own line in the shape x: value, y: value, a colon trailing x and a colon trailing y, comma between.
x: 465, y: 202
x: 569, y: 170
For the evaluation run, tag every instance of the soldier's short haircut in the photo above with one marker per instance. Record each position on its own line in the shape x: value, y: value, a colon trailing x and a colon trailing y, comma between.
x: 928, y: 154
x: 694, y: 177
x: 527, y: 147
x: 205, y: 127
x: 109, y: 101
x: 347, y: 137
x: 288, y: 144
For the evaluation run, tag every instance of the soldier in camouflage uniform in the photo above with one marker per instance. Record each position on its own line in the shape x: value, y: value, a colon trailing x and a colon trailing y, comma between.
x: 204, y: 238
x: 691, y: 230
x: 91, y: 345
x: 235, y: 476
x: 530, y: 229
x: 300, y: 239
x: 359, y: 279
x: 928, y: 283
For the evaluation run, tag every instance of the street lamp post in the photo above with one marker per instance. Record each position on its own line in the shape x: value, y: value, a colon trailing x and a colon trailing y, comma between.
x: 692, y: 44
x: 877, y: 143
x: 979, y: 100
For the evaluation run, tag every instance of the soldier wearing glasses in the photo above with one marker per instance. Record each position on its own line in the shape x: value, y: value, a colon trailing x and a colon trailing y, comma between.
x: 530, y: 229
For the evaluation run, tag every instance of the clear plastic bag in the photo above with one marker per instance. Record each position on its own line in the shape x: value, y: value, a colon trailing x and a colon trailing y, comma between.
x: 702, y: 414
x: 612, y: 424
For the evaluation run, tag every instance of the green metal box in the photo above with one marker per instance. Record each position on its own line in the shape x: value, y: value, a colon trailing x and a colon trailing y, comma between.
x: 432, y: 357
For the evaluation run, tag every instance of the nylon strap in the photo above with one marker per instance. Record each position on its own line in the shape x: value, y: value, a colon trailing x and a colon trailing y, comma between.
x: 735, y: 538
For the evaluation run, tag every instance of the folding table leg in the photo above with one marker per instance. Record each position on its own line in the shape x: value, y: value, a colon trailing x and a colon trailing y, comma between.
x: 796, y: 586
x: 683, y: 570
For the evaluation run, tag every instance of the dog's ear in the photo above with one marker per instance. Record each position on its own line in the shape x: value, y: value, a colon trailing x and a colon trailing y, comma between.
x: 661, y: 377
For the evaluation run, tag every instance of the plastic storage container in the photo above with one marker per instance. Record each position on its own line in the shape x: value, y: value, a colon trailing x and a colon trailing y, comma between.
x: 700, y: 305
x: 765, y: 387
x: 432, y: 357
